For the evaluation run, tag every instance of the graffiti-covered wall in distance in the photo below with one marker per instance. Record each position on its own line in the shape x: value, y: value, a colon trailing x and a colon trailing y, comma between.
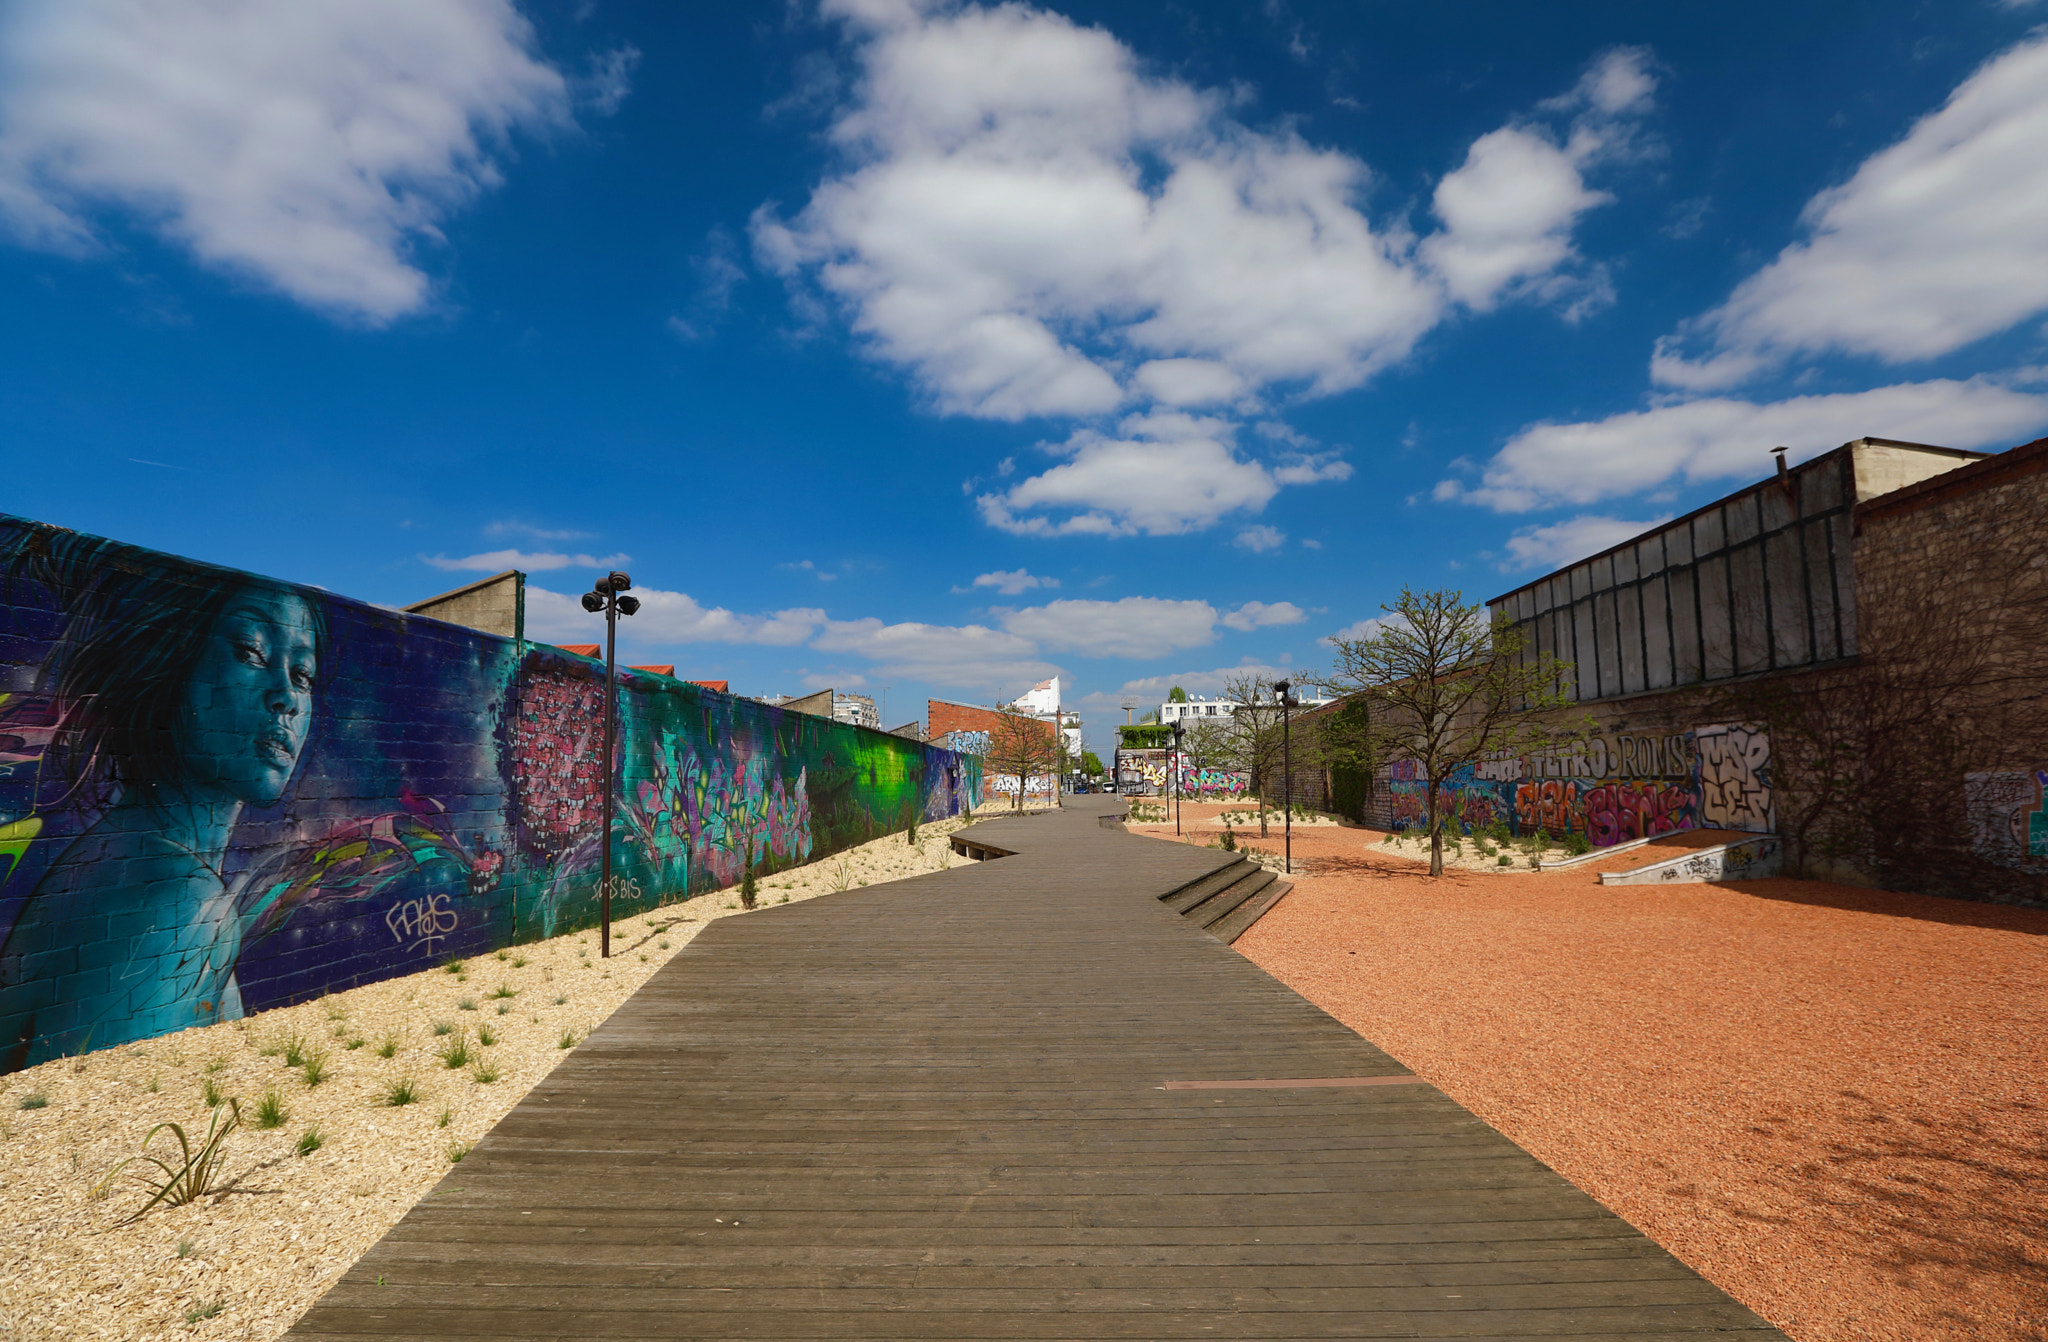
x: 220, y: 792
x: 1612, y: 788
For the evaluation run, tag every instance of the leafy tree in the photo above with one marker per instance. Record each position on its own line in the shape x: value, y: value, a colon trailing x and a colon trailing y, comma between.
x: 1207, y: 743
x: 1444, y: 684
x: 1176, y: 695
x: 1091, y: 764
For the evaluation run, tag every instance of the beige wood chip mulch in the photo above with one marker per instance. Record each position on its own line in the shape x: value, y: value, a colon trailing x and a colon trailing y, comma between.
x: 246, y: 1264
x: 1832, y: 1102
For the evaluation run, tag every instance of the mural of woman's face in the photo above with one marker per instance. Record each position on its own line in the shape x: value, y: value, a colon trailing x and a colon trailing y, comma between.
x: 249, y: 703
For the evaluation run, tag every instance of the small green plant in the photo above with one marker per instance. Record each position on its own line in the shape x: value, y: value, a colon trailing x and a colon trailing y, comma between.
x: 387, y: 1047
x: 457, y: 1150
x: 504, y: 1008
x: 1229, y: 838
x: 503, y: 956
x: 664, y: 944
x: 335, y: 1012
x: 186, y: 1248
x: 196, y: 1173
x: 296, y: 1049
x: 466, y: 1004
x: 447, y: 1117
x: 484, y: 1073
x: 155, y: 1083
x: 504, y: 990
x: 1578, y: 845
x: 568, y: 1039
x: 443, y: 1027
x: 486, y: 1036
x: 270, y: 1110
x: 456, y: 1054
x: 401, y: 1092
x: 210, y: 1093
x: 314, y: 1068
x: 1506, y: 861
x: 561, y: 999
x: 217, y: 1064
x: 352, y: 1044
x: 208, y: 1311
x: 456, y: 967
x: 519, y: 962
x: 309, y: 1141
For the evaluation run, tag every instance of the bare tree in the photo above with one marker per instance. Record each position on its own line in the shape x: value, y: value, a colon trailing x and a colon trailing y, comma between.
x: 1022, y: 747
x: 1446, y: 685
x: 1255, y: 733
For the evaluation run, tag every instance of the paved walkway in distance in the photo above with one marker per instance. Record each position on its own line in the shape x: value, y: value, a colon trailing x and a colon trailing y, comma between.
x: 940, y: 1109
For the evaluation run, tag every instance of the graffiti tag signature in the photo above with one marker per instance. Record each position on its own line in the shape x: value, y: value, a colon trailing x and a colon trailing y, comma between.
x: 426, y: 921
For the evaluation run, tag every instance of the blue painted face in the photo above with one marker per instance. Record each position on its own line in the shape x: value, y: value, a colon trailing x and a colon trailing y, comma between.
x: 249, y: 704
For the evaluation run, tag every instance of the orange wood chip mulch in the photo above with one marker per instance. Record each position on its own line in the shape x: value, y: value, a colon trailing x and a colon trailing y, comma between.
x: 1830, y: 1101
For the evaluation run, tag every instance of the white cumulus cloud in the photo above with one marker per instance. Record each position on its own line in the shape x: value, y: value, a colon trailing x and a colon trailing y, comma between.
x: 1932, y: 243
x: 312, y: 147
x: 667, y: 617
x: 951, y: 655
x: 1260, y: 539
x: 1013, y: 582
x: 1571, y: 540
x: 1137, y: 626
x: 497, y: 561
x: 1260, y: 614
x: 1031, y: 224
x: 1721, y: 438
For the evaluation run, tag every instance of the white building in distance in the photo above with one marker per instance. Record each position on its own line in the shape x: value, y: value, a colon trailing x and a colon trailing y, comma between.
x: 857, y: 709
x: 1203, y: 708
x: 1042, y: 701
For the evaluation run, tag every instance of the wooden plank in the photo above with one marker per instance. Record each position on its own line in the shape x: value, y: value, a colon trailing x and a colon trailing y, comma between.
x: 1228, y: 930
x: 937, y: 1109
x: 1220, y: 904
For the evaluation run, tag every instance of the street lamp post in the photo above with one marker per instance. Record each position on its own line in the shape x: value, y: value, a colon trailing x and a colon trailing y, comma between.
x: 607, y: 597
x: 1287, y: 701
x: 1176, y: 780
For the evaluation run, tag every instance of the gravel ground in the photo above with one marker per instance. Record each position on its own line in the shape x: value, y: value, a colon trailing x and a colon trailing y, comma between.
x: 1827, y: 1100
x: 259, y: 1255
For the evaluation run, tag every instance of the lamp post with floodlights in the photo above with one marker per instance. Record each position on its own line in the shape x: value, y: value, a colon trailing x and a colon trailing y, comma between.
x: 1287, y: 701
x: 608, y: 597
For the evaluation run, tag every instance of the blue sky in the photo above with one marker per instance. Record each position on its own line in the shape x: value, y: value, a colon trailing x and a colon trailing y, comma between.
x: 930, y: 349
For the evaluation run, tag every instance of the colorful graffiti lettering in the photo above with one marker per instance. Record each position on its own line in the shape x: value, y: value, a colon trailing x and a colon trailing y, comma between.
x: 1618, y: 812
x: 1734, y: 777
x: 2008, y: 819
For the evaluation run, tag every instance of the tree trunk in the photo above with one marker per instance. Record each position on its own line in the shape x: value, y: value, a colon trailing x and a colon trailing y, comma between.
x: 1436, y: 834
x: 1262, y: 810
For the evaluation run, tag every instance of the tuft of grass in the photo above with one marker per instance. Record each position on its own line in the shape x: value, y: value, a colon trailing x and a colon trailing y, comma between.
x: 387, y: 1047
x: 155, y: 1083
x: 447, y: 1117
x: 401, y: 1092
x: 314, y: 1068
x: 562, y: 999
x: 664, y: 944
x: 456, y: 1054
x: 643, y: 959
x: 270, y: 1110
x: 568, y: 1039
x: 1506, y: 861
x: 208, y: 1311
x: 197, y: 1172
x: 353, y: 1044
x: 208, y: 1091
x: 335, y: 1012
x: 457, y: 1150
x: 186, y: 1248
x: 466, y: 1004
x: 484, y: 1073
x: 504, y: 990
x: 503, y: 956
x: 309, y: 1141
x: 442, y: 1027
x: 456, y: 967
x: 504, y: 1008
x: 519, y: 962
x: 296, y: 1049
x: 486, y: 1036
x: 218, y: 1064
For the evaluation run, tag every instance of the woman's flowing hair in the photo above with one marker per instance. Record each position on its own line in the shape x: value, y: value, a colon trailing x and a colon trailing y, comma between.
x: 135, y: 631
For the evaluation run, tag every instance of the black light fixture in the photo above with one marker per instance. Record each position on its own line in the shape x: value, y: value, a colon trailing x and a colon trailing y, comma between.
x: 1281, y: 688
x: 608, y: 597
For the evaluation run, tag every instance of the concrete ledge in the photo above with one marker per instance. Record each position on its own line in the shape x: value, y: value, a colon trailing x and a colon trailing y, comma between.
x: 1743, y: 860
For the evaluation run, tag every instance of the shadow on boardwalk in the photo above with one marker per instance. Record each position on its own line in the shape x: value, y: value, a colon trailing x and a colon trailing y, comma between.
x: 939, y: 1109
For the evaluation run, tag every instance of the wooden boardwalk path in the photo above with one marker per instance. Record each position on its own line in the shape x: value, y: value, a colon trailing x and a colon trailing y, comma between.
x: 940, y: 1109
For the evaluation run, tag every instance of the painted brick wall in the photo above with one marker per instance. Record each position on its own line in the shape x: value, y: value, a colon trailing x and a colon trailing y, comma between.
x: 220, y: 792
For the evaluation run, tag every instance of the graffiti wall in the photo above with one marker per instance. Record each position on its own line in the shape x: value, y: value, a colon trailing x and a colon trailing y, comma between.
x: 2008, y: 824
x: 1611, y: 788
x: 220, y: 793
x: 1154, y: 770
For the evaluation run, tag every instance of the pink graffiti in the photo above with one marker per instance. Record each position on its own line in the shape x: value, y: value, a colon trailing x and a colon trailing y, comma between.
x: 1618, y: 812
